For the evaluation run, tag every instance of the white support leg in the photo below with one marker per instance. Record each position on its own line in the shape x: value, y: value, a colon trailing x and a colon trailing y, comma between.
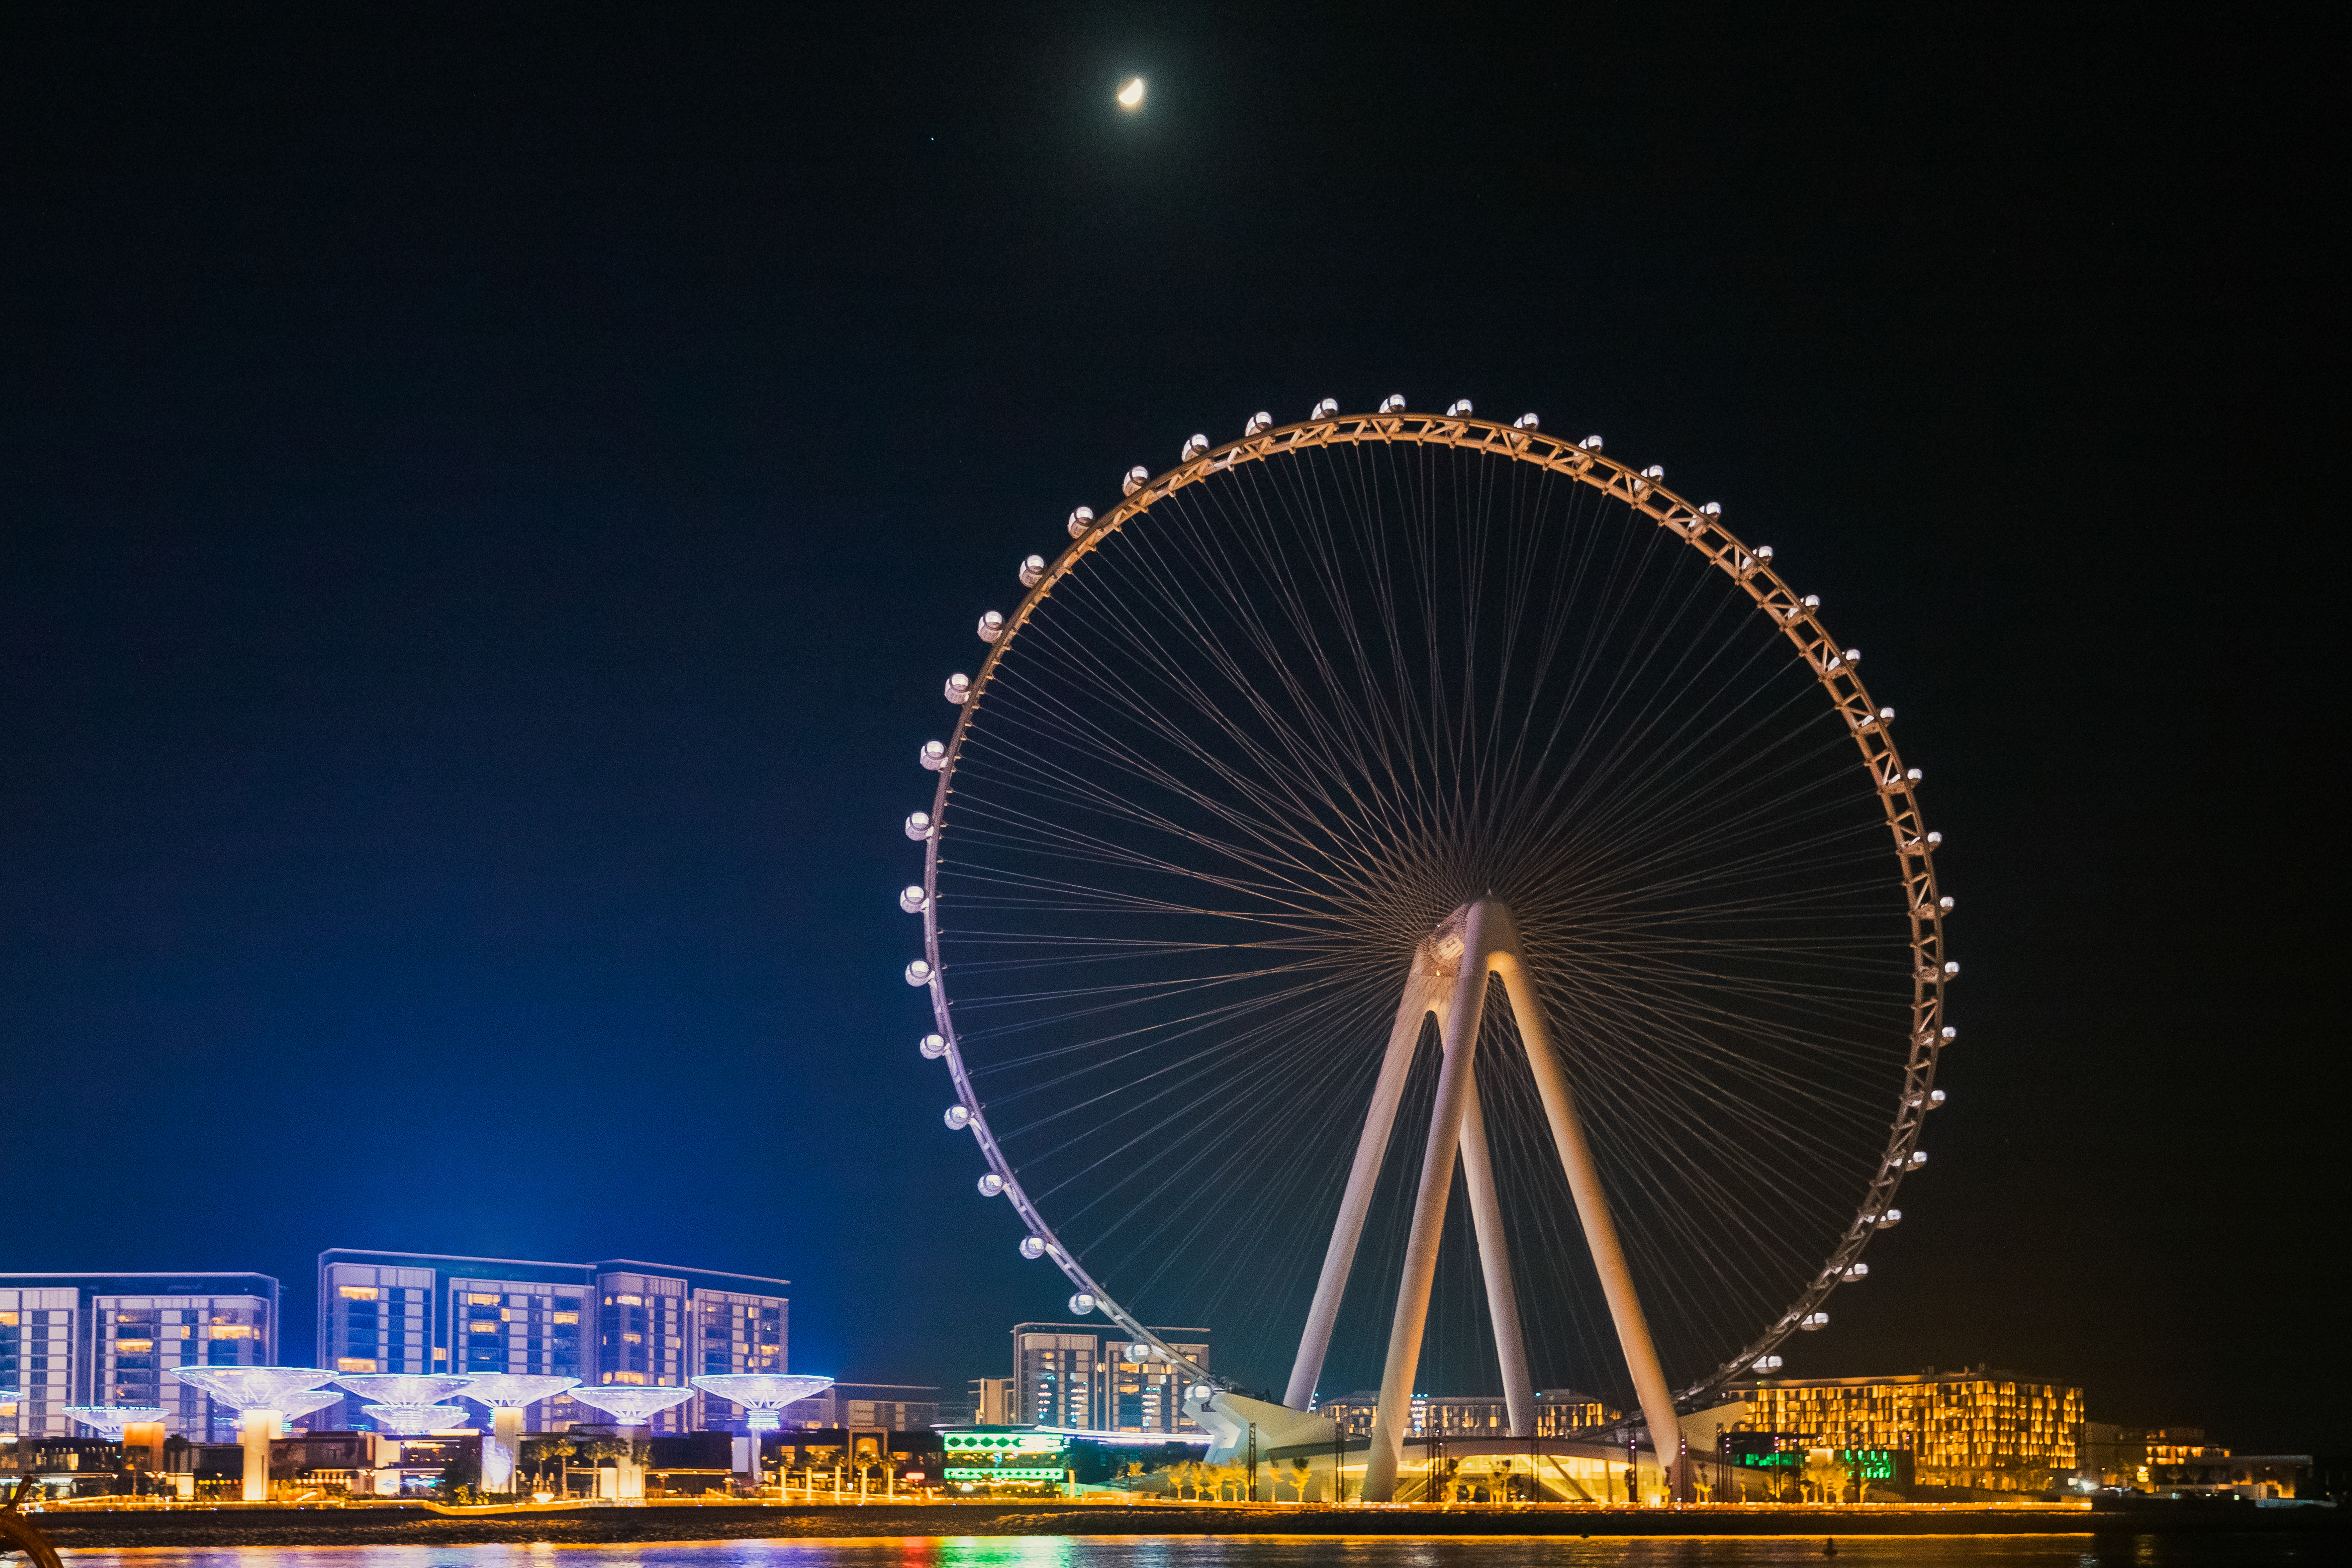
x: 1454, y: 1082
x: 255, y: 1428
x: 1495, y: 1259
x: 1599, y: 1230
x: 1425, y: 991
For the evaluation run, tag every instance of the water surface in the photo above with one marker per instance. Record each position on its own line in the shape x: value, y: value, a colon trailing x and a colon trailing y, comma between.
x: 2117, y: 1551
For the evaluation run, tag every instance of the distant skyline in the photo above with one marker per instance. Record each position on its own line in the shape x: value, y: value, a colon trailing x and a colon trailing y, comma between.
x: 491, y: 505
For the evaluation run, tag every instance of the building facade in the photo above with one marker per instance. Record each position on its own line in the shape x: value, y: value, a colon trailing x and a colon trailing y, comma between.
x: 116, y: 1339
x: 1996, y: 1430
x: 615, y: 1322
x: 1069, y: 1375
x: 1560, y: 1413
x: 869, y: 1406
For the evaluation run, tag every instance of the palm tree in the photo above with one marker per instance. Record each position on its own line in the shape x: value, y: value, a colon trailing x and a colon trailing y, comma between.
x: 1826, y: 1474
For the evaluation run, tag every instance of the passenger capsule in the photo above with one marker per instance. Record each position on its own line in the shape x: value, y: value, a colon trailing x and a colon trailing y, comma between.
x: 912, y: 898
x: 991, y: 625
x: 1590, y: 444
x: 1137, y: 477
x: 1918, y: 1158
x: 1392, y: 403
x: 933, y: 1047
x: 1948, y: 1034
x: 1946, y: 903
x: 1194, y: 448
x: 934, y: 755
x: 1081, y: 519
x: 1914, y: 774
x: 1886, y: 716
x: 1082, y: 1303
x: 1258, y: 423
x: 1813, y: 602
x: 919, y: 973
x: 1654, y: 472
x: 1953, y: 967
x: 1853, y: 655
x: 1892, y: 1217
x: 1325, y: 409
x: 918, y: 825
x: 1813, y: 1323
x: 1033, y: 1248
x: 1856, y: 1271
x: 1031, y: 571
x: 1933, y: 839
x: 1935, y: 1097
x: 1457, y: 408
x: 1527, y: 421
x: 1769, y: 1363
x: 958, y: 1118
x: 1712, y: 509
x: 990, y: 1185
x: 1763, y: 552
x: 958, y: 688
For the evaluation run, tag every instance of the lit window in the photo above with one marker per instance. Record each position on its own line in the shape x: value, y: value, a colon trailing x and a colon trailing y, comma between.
x: 135, y: 1346
x: 564, y: 1317
x: 481, y: 1328
x: 630, y: 1301
x: 358, y: 1292
x: 355, y: 1364
x: 633, y: 1339
x: 628, y: 1377
x: 479, y: 1301
x: 232, y: 1330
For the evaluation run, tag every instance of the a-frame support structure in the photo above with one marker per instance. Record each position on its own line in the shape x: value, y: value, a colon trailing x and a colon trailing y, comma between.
x: 1449, y: 979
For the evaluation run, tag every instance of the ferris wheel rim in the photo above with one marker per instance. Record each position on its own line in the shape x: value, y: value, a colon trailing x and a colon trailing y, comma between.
x: 1699, y: 527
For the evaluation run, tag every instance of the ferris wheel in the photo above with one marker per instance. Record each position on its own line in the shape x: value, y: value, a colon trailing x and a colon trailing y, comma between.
x: 1386, y: 793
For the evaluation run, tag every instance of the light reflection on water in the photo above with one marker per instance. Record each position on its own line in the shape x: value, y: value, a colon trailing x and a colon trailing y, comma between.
x: 1287, y: 1552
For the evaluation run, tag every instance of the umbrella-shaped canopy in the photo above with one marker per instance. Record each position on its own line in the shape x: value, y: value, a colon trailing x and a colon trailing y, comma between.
x: 108, y: 1420
x: 629, y: 1405
x: 405, y: 1387
x: 504, y: 1388
x: 763, y: 1393
x: 415, y: 1420
x: 253, y: 1387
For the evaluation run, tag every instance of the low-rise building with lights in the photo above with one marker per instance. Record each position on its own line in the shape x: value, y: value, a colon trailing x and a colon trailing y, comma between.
x: 1994, y: 1430
x: 1560, y: 1413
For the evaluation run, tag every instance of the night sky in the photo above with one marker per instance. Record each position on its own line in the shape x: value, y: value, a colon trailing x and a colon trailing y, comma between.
x: 490, y: 494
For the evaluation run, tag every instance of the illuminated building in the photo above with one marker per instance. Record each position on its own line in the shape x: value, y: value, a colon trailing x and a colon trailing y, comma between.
x: 117, y: 1339
x: 616, y: 1322
x: 992, y: 1401
x: 1068, y: 1374
x: 1978, y: 1428
x: 859, y: 1407
x: 1023, y: 1460
x: 1560, y: 1413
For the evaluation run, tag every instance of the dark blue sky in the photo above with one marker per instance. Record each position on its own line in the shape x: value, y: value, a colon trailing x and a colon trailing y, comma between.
x: 489, y: 500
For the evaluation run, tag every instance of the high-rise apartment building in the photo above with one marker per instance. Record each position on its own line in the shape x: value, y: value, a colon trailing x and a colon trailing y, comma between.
x: 1979, y: 1428
x: 618, y: 1321
x: 115, y: 1339
x: 1068, y: 1374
